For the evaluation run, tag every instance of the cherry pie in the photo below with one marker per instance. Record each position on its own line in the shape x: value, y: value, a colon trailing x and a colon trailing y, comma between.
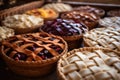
x: 103, y: 37
x: 98, y: 11
x: 89, y: 64
x: 87, y: 18
x: 63, y: 27
x: 69, y: 30
x: 33, y: 47
x: 33, y: 54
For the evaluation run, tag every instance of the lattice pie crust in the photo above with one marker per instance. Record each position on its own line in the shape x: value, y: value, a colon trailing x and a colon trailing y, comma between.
x: 89, y: 64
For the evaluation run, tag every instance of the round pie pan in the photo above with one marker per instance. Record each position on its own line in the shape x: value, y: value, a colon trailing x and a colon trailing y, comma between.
x: 32, y: 68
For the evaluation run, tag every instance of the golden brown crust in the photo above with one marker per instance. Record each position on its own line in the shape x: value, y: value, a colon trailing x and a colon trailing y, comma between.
x: 36, y: 41
x: 47, y: 14
x: 32, y: 68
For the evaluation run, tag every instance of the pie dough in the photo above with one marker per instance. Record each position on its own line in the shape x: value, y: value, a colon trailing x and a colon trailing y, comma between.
x: 108, y: 37
x: 89, y: 64
x: 110, y: 22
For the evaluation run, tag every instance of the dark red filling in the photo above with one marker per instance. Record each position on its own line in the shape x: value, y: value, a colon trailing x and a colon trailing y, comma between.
x: 20, y: 56
x: 63, y: 27
x: 45, y: 54
x: 24, y: 45
x: 57, y: 48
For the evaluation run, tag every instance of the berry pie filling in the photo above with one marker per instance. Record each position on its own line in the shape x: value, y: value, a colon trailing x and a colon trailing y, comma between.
x: 63, y: 27
x: 33, y: 47
x: 98, y: 11
x: 80, y: 16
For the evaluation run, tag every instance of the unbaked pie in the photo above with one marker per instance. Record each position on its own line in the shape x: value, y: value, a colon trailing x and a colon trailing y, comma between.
x: 110, y: 22
x: 5, y: 32
x: 103, y: 37
x: 89, y: 64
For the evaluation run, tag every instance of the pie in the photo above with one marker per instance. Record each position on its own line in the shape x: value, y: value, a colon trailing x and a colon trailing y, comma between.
x: 58, y: 7
x: 98, y: 11
x: 23, y: 23
x: 89, y: 19
x: 32, y: 54
x: 108, y: 37
x: 110, y: 22
x: 64, y: 27
x: 69, y: 30
x: 33, y: 47
x: 89, y: 64
x: 46, y: 14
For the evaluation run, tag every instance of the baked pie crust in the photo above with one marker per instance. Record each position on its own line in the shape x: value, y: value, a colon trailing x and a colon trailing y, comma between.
x: 89, y: 64
x: 98, y: 11
x: 47, y: 14
x: 25, y: 52
x: 108, y: 37
x: 69, y: 30
x: 89, y: 19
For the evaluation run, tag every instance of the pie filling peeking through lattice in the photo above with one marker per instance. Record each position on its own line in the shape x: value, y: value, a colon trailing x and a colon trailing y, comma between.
x: 33, y: 47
